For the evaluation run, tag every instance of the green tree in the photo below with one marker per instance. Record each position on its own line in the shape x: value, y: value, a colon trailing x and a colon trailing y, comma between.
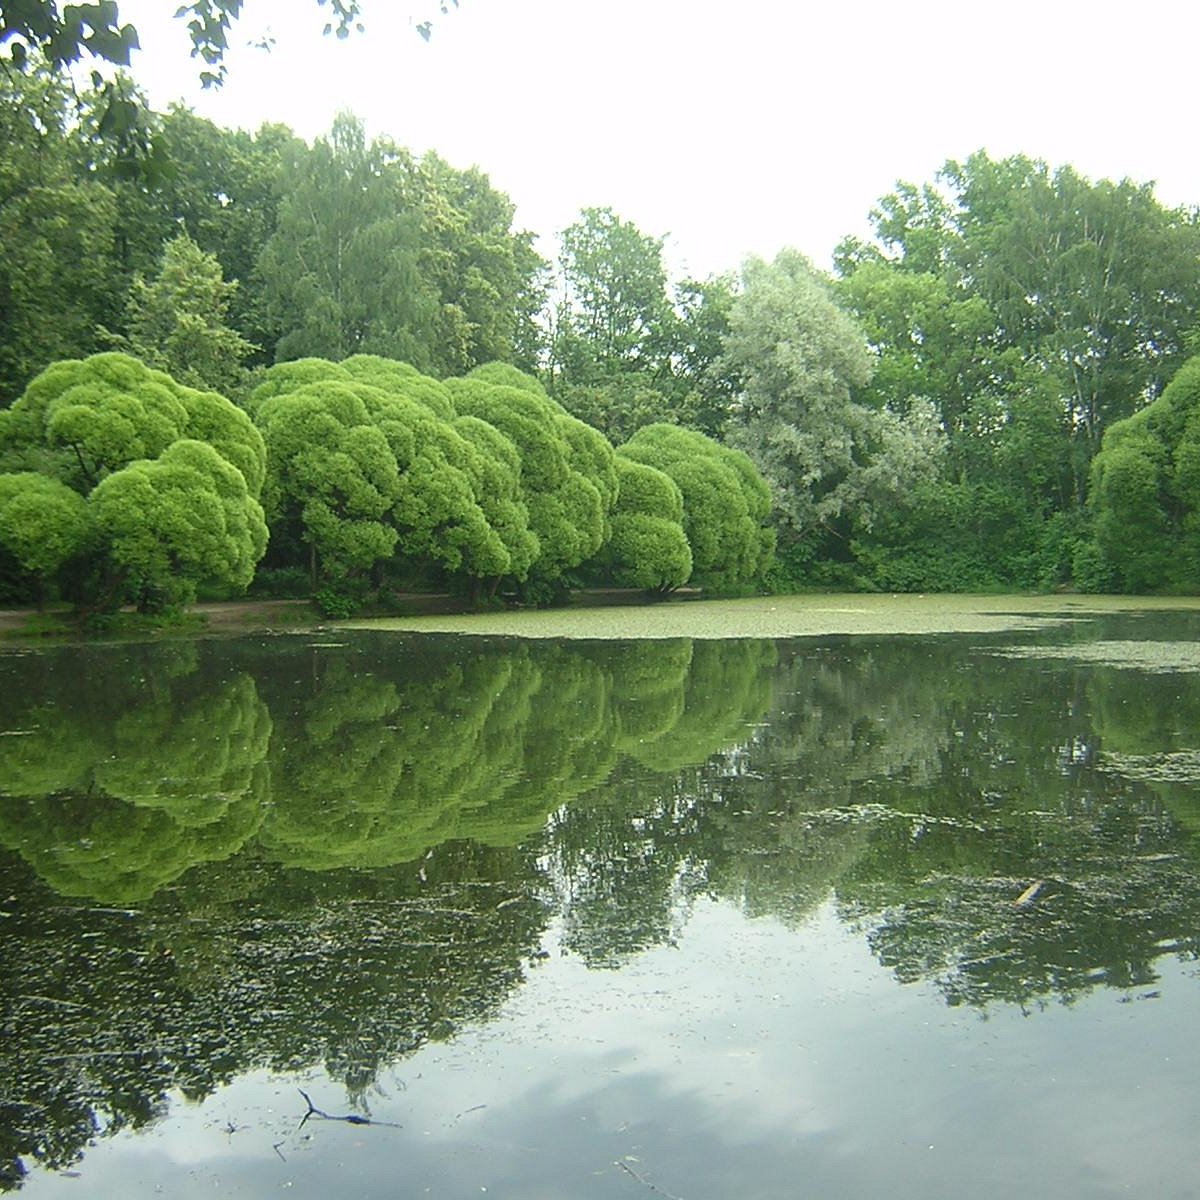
x: 184, y: 518
x: 726, y: 502
x: 82, y: 419
x: 486, y: 277
x: 698, y: 353
x: 1096, y: 280
x: 57, y: 226
x: 43, y: 526
x: 1019, y: 268
x: 341, y: 274
x: 648, y: 548
x: 568, y: 478
x: 1145, y: 494
x: 615, y: 313
x: 222, y: 190
x: 171, y: 476
x: 411, y: 488
x: 332, y: 476
x: 177, y: 322
x: 833, y: 463
x: 931, y: 343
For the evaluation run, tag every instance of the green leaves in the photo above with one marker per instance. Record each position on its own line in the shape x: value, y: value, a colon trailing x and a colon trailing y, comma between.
x: 831, y: 461
x: 1145, y: 491
x: 43, y: 523
x: 186, y: 516
x: 164, y: 509
x: 177, y: 322
x: 725, y: 504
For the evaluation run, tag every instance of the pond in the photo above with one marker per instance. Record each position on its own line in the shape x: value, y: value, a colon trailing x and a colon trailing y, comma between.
x: 371, y: 914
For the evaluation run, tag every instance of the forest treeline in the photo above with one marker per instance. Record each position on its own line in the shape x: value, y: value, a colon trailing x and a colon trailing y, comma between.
x: 341, y: 368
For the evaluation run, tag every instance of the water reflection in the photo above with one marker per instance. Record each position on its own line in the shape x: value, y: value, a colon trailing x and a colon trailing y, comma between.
x: 278, y: 854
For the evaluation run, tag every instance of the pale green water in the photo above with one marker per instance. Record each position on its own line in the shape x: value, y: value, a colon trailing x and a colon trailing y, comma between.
x: 696, y: 918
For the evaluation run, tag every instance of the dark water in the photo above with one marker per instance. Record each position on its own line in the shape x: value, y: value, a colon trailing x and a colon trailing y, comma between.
x: 683, y: 919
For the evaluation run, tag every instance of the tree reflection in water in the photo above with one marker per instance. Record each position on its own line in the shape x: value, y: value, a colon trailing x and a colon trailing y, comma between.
x: 280, y: 854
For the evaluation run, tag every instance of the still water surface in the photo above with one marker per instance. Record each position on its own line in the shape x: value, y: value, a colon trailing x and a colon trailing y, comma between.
x: 686, y: 919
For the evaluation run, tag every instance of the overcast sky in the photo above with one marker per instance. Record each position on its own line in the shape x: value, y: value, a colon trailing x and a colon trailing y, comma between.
x: 730, y: 129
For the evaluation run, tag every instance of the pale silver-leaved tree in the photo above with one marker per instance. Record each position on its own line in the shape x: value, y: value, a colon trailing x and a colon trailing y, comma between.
x: 832, y: 463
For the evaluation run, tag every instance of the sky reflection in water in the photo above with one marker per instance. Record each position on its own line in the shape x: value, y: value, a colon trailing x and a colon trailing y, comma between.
x: 781, y: 956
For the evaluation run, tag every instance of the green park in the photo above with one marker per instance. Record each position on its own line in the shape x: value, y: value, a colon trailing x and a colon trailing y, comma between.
x: 340, y: 370
x: 487, y: 708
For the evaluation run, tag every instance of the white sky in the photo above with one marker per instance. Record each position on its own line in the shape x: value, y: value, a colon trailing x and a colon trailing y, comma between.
x: 731, y: 129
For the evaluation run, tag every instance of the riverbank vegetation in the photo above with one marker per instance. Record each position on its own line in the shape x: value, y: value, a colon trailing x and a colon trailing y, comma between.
x: 233, y: 360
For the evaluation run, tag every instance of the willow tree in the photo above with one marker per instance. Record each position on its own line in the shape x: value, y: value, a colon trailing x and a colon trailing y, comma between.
x: 567, y: 475
x: 373, y: 471
x: 647, y: 548
x: 726, y: 502
x: 1145, y: 495
x: 171, y: 477
x: 832, y: 462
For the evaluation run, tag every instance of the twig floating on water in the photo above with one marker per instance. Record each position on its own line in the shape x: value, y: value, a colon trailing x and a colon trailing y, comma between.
x: 643, y: 1181
x: 350, y: 1118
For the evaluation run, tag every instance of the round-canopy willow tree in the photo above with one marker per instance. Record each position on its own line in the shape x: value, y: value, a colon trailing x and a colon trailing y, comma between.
x: 170, y: 478
x: 726, y: 502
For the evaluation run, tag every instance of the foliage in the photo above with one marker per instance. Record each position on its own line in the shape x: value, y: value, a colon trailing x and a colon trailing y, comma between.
x: 567, y: 474
x: 171, y: 477
x: 833, y: 463
x: 726, y: 502
x: 185, y: 516
x: 620, y: 406
x: 648, y: 548
x: 177, y: 322
x: 1145, y: 493
x: 71, y: 33
x: 58, y: 226
x: 331, y: 474
x: 1008, y: 266
x: 370, y: 466
x: 43, y: 524
x: 623, y: 352
x: 340, y: 274
x: 615, y: 314
x: 378, y: 252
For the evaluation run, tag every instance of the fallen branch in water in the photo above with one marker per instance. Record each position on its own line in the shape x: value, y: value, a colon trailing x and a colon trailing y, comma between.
x: 350, y: 1118
x: 643, y: 1181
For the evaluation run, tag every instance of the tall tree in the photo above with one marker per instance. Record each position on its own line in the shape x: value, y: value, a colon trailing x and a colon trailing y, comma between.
x: 831, y: 460
x: 1091, y: 284
x: 615, y: 315
x: 222, y: 189
x: 341, y: 273
x: 57, y: 227
x: 177, y: 321
x: 486, y: 276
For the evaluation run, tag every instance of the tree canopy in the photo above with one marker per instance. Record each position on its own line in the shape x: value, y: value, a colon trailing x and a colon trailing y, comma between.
x: 168, y: 476
x: 726, y: 502
x: 1145, y: 494
x: 833, y: 462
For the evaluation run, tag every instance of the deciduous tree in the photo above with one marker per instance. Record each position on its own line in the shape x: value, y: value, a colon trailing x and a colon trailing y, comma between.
x: 726, y: 502
x: 832, y: 462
